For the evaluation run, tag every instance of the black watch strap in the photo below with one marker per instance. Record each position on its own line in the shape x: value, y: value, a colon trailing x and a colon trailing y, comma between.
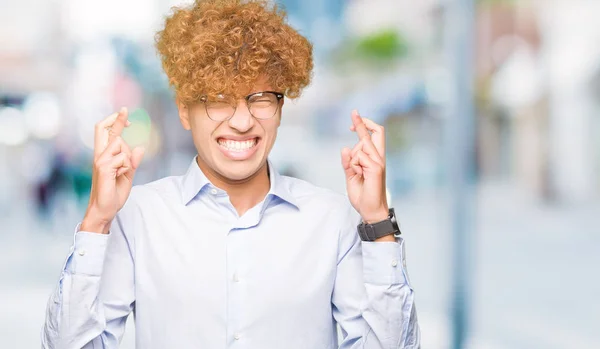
x: 372, y: 232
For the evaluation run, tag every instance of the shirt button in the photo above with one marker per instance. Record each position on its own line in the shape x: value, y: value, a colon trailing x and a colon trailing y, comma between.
x: 81, y: 252
x: 394, y: 263
x: 236, y: 336
x: 213, y: 191
x: 235, y: 277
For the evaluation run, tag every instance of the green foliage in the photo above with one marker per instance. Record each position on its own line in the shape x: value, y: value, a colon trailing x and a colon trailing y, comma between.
x: 387, y: 44
x: 377, y: 50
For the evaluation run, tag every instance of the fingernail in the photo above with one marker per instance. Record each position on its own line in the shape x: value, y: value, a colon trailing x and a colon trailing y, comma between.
x: 123, y: 109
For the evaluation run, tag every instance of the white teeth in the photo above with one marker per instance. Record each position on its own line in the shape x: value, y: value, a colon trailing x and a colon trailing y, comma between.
x: 237, y: 146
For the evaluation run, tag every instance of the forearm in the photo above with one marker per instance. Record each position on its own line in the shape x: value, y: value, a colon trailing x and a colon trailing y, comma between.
x: 74, y: 315
x: 390, y: 310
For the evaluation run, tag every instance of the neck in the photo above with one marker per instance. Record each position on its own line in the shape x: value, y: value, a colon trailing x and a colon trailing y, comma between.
x: 243, y: 194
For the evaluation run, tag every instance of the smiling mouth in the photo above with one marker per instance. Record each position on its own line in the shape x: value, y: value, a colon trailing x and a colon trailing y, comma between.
x: 237, y: 146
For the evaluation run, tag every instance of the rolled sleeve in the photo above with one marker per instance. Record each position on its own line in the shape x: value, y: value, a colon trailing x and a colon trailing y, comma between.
x: 87, y: 254
x: 384, y: 263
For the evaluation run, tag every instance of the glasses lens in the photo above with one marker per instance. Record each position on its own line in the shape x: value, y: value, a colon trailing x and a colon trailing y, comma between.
x: 219, y: 109
x: 263, y: 105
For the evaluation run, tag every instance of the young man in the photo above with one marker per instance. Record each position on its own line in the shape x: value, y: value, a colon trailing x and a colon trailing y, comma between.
x: 233, y: 254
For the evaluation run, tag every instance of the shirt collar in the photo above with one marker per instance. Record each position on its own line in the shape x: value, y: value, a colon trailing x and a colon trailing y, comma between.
x: 194, y: 181
x: 280, y: 186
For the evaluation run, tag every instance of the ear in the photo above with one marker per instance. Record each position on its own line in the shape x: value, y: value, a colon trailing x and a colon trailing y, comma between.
x: 184, y: 114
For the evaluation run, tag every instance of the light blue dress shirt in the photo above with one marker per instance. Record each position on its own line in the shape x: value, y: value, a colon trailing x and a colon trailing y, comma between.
x: 196, y: 275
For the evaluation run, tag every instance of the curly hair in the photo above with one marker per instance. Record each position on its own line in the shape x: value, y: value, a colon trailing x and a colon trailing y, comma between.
x: 224, y: 46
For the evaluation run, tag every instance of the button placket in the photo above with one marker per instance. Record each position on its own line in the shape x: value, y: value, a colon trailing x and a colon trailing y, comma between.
x: 236, y: 297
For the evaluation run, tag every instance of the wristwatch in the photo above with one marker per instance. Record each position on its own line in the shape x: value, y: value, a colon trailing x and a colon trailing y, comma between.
x: 371, y: 232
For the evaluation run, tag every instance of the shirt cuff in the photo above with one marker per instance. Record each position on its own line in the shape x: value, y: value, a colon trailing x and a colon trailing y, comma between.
x: 87, y: 253
x: 384, y: 263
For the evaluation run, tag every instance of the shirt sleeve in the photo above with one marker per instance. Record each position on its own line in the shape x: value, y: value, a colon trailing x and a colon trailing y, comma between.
x: 373, y: 301
x: 95, y: 293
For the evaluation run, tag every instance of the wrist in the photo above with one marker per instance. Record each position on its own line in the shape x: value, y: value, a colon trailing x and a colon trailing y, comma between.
x: 387, y: 238
x: 92, y: 223
x: 376, y: 217
x: 379, y: 228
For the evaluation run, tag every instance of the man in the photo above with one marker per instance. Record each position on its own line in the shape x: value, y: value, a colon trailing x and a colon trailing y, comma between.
x: 233, y: 254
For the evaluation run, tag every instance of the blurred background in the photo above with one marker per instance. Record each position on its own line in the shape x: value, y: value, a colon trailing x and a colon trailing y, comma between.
x: 512, y: 213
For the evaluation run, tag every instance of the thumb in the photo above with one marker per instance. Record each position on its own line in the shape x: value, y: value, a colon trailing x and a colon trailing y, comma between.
x: 136, y: 157
x: 346, y: 156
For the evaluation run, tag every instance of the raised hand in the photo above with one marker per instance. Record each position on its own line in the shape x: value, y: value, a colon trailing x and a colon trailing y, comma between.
x: 113, y: 170
x: 364, y: 167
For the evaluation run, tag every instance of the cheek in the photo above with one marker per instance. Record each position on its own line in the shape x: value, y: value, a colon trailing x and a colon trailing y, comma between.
x: 270, y: 130
x: 201, y: 133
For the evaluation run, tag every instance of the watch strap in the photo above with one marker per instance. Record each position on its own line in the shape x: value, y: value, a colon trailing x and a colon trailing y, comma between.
x: 371, y: 232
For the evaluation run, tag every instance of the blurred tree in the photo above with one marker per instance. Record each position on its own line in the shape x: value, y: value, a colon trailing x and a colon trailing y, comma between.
x: 376, y: 50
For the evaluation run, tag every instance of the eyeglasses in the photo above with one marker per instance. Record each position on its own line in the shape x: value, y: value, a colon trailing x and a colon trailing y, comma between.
x: 262, y: 105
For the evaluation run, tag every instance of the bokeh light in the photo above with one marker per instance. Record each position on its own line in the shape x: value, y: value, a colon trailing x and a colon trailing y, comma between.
x: 13, y: 130
x: 43, y: 115
x: 138, y: 133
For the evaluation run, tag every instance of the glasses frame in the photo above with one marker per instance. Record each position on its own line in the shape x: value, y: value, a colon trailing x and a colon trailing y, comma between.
x: 278, y: 95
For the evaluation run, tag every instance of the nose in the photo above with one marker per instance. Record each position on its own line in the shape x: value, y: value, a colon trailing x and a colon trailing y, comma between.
x: 242, y: 120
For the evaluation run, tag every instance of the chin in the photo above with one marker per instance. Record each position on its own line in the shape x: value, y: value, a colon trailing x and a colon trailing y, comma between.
x: 240, y: 170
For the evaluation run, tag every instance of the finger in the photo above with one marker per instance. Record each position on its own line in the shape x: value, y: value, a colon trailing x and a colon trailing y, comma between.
x: 357, y: 147
x: 377, y: 136
x: 119, y: 124
x: 136, y: 158
x: 101, y: 133
x: 355, y: 165
x: 359, y: 125
x: 369, y: 148
x: 367, y: 163
x: 120, y: 161
x: 346, y: 157
x: 115, y: 147
x: 122, y: 171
